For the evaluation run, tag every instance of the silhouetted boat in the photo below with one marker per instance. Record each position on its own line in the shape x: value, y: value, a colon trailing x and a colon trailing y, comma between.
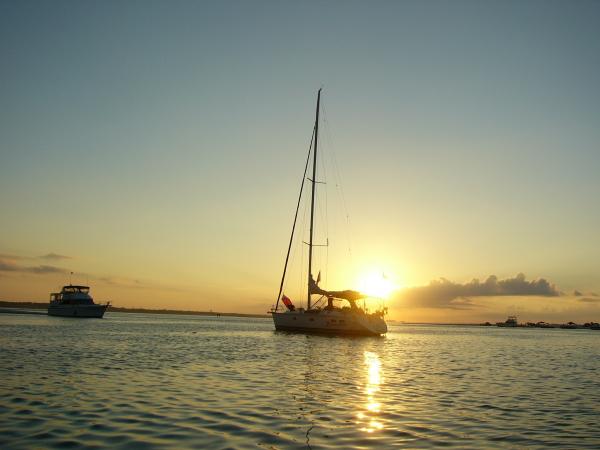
x: 510, y: 322
x: 75, y: 301
x: 350, y: 319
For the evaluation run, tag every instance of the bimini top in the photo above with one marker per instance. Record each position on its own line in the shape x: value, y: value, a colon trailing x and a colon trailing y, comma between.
x: 72, y: 295
x: 70, y: 289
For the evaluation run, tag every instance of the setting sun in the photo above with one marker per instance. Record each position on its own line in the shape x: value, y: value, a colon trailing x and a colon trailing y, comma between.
x: 376, y: 284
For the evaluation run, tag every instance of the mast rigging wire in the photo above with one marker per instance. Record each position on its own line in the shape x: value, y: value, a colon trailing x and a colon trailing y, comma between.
x: 339, y: 186
x: 287, y: 257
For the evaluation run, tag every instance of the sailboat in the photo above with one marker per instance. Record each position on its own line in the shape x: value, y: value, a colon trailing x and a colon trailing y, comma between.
x: 321, y: 317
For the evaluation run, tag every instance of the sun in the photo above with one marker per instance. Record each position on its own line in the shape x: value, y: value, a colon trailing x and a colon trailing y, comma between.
x: 376, y: 284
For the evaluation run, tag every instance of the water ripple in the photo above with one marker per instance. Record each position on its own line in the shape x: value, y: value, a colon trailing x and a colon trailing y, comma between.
x: 148, y: 381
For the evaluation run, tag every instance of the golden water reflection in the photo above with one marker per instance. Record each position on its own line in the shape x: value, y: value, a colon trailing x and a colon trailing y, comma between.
x: 368, y: 418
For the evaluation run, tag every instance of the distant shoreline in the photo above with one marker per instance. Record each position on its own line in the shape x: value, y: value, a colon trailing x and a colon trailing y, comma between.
x: 44, y: 306
x: 37, y: 305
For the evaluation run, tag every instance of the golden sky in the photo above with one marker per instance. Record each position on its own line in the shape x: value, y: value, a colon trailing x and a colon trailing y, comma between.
x: 160, y: 151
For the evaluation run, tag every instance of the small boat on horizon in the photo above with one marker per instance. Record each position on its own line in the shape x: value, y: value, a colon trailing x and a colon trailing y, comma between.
x: 510, y: 322
x: 322, y: 316
x: 75, y: 301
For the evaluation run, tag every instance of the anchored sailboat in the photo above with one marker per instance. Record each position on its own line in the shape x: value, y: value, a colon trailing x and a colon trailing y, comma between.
x: 327, y: 318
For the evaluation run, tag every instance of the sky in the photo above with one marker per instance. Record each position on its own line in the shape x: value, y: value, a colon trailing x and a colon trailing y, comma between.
x: 156, y: 150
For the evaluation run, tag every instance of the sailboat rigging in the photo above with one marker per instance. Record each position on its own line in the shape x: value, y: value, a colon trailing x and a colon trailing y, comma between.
x: 328, y: 319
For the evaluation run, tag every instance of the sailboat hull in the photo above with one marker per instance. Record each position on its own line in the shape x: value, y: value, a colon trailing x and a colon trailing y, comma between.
x: 330, y: 322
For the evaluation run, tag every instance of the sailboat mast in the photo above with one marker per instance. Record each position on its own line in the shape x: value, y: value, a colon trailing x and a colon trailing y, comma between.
x: 287, y: 256
x: 312, y: 201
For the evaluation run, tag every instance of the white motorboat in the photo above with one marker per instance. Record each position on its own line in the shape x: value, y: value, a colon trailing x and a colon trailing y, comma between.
x: 75, y: 301
x: 319, y: 317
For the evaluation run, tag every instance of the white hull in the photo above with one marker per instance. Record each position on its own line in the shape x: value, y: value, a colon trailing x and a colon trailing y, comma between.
x: 83, y: 311
x: 330, y: 322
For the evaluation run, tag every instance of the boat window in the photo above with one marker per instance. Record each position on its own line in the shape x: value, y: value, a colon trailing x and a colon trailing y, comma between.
x: 75, y: 289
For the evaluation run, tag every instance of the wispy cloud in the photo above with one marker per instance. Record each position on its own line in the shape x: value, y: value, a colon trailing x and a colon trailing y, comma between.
x: 587, y: 296
x: 8, y: 265
x: 589, y: 299
x: 123, y: 282
x: 12, y: 264
x: 48, y: 256
x: 134, y: 283
x: 443, y: 293
x: 4, y: 256
x: 43, y: 269
x: 55, y: 256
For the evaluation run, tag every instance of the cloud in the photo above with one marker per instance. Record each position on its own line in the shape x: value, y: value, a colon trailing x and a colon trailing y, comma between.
x: 132, y: 283
x: 6, y: 265
x: 10, y: 257
x: 123, y: 282
x: 54, y: 256
x: 443, y: 293
x: 16, y: 265
x: 589, y: 299
x: 43, y: 269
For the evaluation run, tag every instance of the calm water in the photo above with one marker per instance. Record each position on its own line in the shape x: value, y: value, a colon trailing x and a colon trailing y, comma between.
x: 152, y: 381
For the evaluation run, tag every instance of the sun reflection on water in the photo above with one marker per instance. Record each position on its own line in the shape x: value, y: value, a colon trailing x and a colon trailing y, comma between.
x: 368, y: 419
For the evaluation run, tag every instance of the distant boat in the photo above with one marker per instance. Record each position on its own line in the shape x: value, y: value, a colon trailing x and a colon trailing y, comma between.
x: 318, y: 317
x: 510, y: 322
x: 75, y: 301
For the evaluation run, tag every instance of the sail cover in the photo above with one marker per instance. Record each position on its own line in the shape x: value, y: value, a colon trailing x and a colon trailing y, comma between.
x: 288, y: 303
x: 349, y: 295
